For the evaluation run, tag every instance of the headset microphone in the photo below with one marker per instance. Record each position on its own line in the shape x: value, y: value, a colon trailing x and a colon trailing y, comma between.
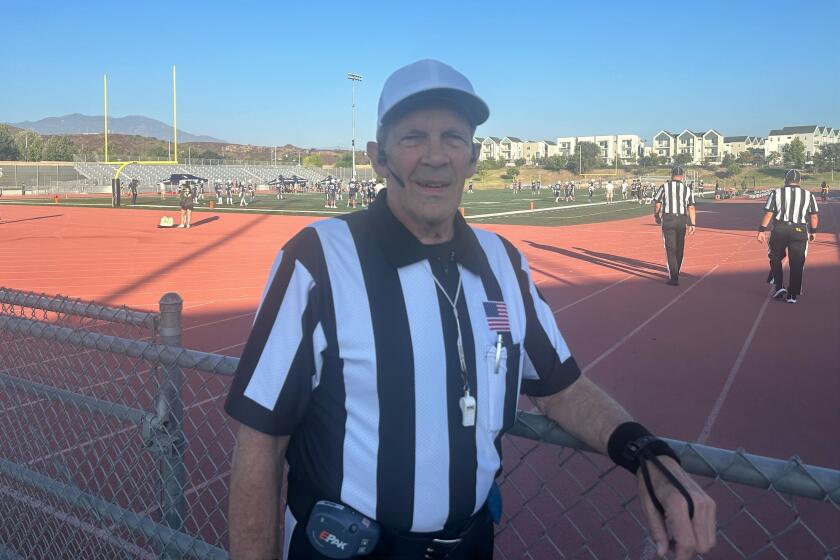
x: 382, y: 158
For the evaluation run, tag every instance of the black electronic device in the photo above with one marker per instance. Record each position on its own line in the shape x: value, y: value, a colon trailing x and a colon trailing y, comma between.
x: 339, y: 531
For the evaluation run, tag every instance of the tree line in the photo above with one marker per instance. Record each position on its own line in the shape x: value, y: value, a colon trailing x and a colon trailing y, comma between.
x: 30, y: 146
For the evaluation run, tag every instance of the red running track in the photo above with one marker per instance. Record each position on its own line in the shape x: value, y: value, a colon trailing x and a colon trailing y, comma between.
x: 713, y: 360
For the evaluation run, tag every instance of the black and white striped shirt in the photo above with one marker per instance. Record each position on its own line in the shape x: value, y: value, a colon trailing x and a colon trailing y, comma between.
x: 353, y: 352
x: 675, y: 197
x: 791, y: 204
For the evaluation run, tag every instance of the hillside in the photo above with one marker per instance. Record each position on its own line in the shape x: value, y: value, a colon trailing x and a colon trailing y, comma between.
x: 133, y: 125
x: 124, y: 147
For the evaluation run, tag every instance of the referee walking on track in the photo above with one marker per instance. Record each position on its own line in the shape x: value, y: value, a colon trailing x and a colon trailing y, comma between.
x: 386, y: 361
x: 675, y: 210
x: 795, y: 217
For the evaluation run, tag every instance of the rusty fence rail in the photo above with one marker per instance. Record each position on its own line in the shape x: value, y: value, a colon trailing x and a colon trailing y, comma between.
x: 114, y: 445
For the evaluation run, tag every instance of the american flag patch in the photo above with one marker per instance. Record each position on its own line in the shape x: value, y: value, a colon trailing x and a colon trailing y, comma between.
x: 497, y: 316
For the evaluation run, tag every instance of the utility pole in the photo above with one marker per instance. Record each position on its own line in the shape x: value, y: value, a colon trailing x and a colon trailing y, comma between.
x: 353, y: 79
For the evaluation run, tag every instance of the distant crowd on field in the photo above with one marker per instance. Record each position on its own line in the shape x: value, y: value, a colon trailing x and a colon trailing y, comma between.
x: 356, y: 192
x: 235, y: 192
x: 628, y: 189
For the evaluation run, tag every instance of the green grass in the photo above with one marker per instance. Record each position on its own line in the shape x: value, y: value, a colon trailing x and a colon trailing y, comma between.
x: 482, y: 202
x: 762, y: 177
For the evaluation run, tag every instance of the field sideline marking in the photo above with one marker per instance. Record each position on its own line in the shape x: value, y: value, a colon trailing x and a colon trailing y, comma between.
x: 659, y: 312
x: 730, y: 379
x: 175, y: 208
x: 555, y: 208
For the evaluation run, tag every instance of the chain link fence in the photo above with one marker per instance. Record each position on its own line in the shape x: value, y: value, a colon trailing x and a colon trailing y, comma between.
x: 115, y: 445
x: 19, y: 178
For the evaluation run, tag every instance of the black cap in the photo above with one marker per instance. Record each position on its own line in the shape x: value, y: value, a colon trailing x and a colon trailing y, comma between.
x: 677, y: 171
x: 793, y: 177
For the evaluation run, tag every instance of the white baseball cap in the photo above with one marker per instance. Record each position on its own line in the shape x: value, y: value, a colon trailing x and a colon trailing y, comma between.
x: 429, y: 80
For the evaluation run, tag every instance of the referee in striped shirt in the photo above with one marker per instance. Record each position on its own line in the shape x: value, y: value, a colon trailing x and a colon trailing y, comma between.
x: 675, y: 211
x: 386, y: 361
x: 795, y: 216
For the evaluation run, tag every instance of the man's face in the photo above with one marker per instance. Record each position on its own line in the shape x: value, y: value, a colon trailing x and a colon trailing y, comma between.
x: 430, y: 151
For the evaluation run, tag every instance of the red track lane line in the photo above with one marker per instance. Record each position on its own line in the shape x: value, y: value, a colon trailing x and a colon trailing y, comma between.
x: 116, y: 379
x: 644, y: 323
x: 234, y: 317
x: 593, y: 294
x: 154, y: 291
x: 98, y: 532
x: 229, y: 347
x: 112, y: 434
x: 730, y: 379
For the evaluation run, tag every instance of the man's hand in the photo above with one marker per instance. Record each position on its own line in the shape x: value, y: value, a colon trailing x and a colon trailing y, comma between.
x: 812, y: 237
x: 688, y: 536
x: 691, y: 230
x: 760, y: 237
x: 657, y: 218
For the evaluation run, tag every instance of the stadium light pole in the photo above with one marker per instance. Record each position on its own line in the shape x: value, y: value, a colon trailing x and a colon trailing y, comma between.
x: 353, y: 79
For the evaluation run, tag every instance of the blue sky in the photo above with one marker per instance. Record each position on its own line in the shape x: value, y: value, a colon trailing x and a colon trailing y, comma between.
x: 274, y: 72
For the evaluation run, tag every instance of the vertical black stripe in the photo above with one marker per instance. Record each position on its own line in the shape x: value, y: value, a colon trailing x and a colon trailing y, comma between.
x: 304, y: 248
x: 785, y: 204
x: 494, y: 293
x: 316, y: 449
x: 537, y: 344
x: 394, y: 380
x: 462, y: 449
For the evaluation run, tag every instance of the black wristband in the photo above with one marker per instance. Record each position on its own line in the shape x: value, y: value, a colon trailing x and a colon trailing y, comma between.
x: 629, y: 440
x: 762, y: 228
x: 813, y: 230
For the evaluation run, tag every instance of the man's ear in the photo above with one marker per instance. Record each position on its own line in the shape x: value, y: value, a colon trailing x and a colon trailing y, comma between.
x: 473, y: 168
x: 373, y: 155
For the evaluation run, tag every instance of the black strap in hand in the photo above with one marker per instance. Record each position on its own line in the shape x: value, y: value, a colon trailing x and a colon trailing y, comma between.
x: 648, y: 456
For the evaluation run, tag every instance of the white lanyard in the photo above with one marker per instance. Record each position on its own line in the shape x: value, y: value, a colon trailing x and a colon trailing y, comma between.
x: 467, y: 402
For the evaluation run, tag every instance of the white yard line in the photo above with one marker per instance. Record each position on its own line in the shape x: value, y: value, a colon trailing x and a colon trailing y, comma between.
x: 535, y: 210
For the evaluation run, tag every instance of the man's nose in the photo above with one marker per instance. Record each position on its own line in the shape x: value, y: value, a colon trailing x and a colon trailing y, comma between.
x: 436, y: 153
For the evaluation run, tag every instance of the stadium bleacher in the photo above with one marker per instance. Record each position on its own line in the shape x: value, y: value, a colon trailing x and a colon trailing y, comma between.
x: 150, y: 176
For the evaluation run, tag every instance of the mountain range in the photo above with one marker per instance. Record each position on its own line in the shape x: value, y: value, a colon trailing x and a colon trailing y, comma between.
x: 92, y: 124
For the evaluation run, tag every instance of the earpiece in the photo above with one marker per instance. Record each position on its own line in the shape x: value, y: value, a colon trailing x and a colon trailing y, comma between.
x: 382, y: 158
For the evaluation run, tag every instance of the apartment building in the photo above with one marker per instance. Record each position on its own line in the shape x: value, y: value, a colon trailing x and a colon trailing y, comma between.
x: 534, y: 150
x: 665, y: 144
x: 812, y: 136
x: 734, y: 145
x: 512, y: 148
x: 491, y: 148
x: 703, y: 147
x: 627, y: 147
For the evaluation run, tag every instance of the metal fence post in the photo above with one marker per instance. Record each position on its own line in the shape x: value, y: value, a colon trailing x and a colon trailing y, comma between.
x: 170, y: 409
